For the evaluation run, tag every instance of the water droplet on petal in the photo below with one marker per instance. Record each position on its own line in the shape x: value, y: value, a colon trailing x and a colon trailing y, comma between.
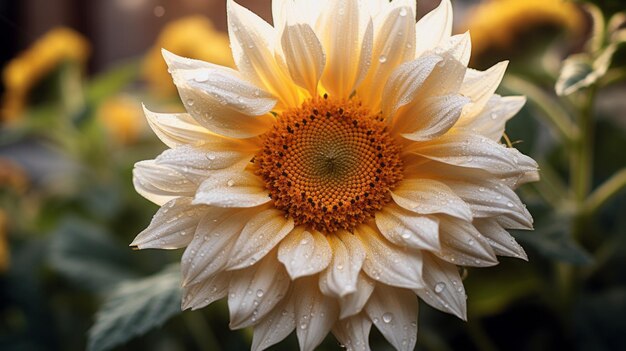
x: 402, y: 12
x: 387, y: 317
x: 259, y: 293
x: 382, y: 59
x: 201, y: 77
x: 230, y: 182
x: 439, y: 287
x: 190, y: 102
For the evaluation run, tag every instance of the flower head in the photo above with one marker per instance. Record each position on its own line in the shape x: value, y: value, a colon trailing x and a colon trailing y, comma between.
x: 121, y: 116
x: 23, y: 73
x: 348, y: 166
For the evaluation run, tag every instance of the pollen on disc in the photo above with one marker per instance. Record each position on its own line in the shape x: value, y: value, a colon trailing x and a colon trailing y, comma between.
x: 329, y: 164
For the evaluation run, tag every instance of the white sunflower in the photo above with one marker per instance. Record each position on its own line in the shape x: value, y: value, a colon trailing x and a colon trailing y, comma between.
x: 347, y: 167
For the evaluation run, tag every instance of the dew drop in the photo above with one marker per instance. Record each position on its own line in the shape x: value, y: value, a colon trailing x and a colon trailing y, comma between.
x: 190, y: 102
x: 387, y: 317
x: 509, y: 204
x: 439, y: 287
x: 201, y: 77
x: 230, y: 182
x: 259, y: 293
x: 382, y: 59
x: 402, y: 12
x: 481, y: 189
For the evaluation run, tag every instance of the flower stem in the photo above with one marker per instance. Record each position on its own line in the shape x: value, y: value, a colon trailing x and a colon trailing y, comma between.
x: 605, y: 192
x: 556, y: 115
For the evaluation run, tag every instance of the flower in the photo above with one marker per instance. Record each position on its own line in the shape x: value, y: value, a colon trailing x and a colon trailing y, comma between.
x: 23, y: 73
x: 500, y: 24
x: 192, y: 36
x: 346, y: 168
x: 122, y: 118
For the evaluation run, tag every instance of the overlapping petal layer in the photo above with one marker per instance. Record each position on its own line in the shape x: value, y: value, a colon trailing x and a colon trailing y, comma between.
x: 451, y: 206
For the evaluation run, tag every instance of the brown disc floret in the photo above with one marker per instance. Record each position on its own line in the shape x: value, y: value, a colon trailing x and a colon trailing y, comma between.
x: 329, y: 164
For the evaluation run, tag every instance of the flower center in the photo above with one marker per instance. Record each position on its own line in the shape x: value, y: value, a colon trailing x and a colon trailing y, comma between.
x: 329, y: 164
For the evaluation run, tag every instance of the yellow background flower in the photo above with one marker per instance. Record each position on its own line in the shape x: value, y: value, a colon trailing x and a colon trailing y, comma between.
x: 23, y: 72
x: 498, y: 23
x: 123, y: 119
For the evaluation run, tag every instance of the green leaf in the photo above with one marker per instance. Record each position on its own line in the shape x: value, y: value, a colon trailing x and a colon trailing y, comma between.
x: 86, y: 255
x: 111, y: 82
x: 552, y: 239
x: 135, y: 307
x: 576, y: 74
x: 580, y: 71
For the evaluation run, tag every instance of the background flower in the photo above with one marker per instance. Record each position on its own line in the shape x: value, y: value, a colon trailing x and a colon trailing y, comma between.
x: 23, y: 73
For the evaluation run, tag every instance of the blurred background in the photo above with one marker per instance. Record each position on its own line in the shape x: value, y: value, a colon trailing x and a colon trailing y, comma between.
x: 74, y: 76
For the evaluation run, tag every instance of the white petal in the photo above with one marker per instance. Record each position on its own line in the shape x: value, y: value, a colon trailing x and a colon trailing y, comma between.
x: 392, y: 265
x: 159, y: 183
x: 219, y: 99
x: 434, y: 117
x: 276, y: 325
x: 490, y: 121
x: 347, y: 42
x: 304, y: 55
x: 405, y: 82
x: 463, y: 245
x: 492, y: 198
x: 176, y: 129
x: 253, y: 43
x: 352, y: 304
x: 353, y: 333
x: 406, y: 228
x: 255, y: 291
x: 315, y: 313
x: 172, y: 227
x: 458, y: 46
x: 427, y: 196
x: 480, y: 86
x: 394, y: 313
x: 500, y: 240
x: 393, y: 45
x: 444, y: 78
x: 340, y: 279
x: 210, y: 248
x: 206, y: 292
x: 196, y: 163
x: 264, y: 231
x: 434, y: 28
x: 443, y: 288
x: 440, y: 171
x: 232, y: 188
x: 304, y: 253
x: 180, y: 171
x: 473, y: 151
